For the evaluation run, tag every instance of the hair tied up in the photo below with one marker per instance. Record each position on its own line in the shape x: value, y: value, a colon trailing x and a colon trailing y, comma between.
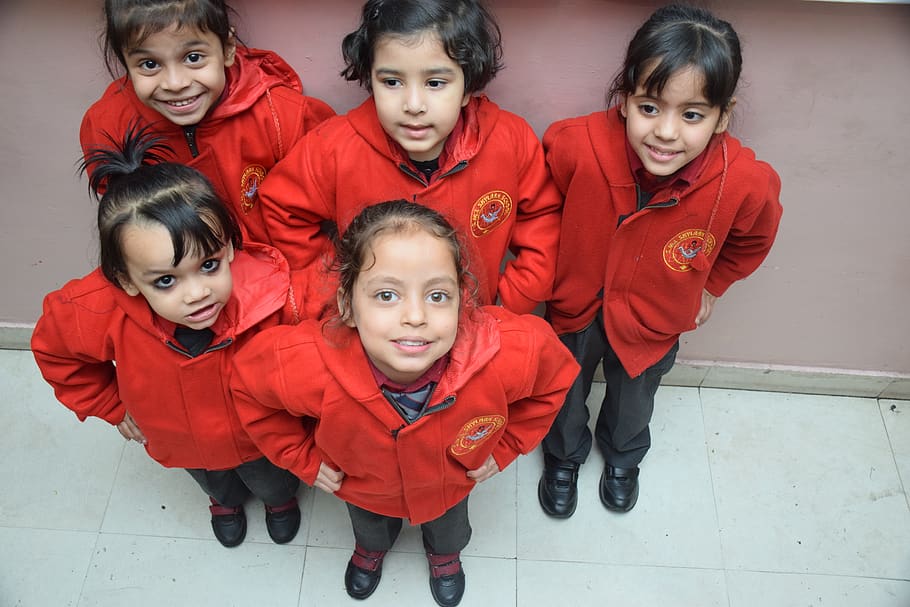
x: 139, y: 146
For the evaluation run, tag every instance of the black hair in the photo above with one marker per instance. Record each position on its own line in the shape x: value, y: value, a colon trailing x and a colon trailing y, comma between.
x: 677, y: 37
x: 352, y: 250
x: 128, y: 23
x: 466, y: 28
x: 140, y: 189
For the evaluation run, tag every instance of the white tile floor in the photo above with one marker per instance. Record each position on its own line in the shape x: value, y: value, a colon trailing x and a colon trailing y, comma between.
x: 749, y: 499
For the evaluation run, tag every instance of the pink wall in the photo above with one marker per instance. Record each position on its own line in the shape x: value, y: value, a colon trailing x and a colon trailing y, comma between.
x: 823, y: 98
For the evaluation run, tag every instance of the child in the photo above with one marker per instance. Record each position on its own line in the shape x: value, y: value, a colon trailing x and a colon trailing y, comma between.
x: 424, y: 136
x: 145, y: 341
x: 663, y: 212
x: 229, y: 111
x: 417, y: 394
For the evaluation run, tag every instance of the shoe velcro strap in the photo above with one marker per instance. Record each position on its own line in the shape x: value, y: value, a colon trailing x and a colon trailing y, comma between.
x: 366, y: 559
x: 444, y: 564
x: 283, y: 507
x: 219, y: 510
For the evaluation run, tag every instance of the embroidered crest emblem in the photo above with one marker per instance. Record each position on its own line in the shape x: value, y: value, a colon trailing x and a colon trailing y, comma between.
x: 685, y: 246
x: 249, y: 184
x: 475, y: 432
x: 490, y: 211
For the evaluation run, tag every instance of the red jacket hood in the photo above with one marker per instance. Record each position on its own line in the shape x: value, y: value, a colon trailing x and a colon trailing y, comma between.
x: 261, y: 283
x: 468, y: 355
x: 479, y: 117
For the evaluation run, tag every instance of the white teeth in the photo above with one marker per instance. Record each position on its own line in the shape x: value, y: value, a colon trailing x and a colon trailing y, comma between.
x: 181, y: 103
x: 411, y: 343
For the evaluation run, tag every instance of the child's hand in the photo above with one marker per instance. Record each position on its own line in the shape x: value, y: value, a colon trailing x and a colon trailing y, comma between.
x: 707, y: 306
x: 488, y: 469
x: 328, y: 480
x: 130, y: 431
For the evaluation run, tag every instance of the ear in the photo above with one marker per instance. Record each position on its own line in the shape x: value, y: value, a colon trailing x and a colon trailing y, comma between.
x: 623, y: 101
x: 128, y: 287
x: 725, y: 114
x: 347, y: 316
x: 466, y: 99
x: 230, y: 49
x: 230, y: 252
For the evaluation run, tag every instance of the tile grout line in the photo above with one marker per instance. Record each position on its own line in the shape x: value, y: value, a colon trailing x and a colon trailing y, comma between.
x: 107, y: 505
x: 723, y: 558
x: 900, y: 478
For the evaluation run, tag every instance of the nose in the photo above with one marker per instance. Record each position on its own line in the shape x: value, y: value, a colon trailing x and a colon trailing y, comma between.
x: 195, y: 290
x: 175, y: 79
x: 414, y: 101
x: 413, y: 312
x: 667, y: 127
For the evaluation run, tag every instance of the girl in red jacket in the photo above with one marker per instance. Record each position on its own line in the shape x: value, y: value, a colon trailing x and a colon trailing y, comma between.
x: 663, y: 212
x: 145, y: 341
x: 424, y: 135
x: 417, y: 394
x: 225, y: 109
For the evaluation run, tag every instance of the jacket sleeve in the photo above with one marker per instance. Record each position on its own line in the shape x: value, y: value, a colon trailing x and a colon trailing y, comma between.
x: 539, y: 394
x: 297, y: 114
x: 297, y: 200
x: 282, y: 430
x: 528, y: 278
x: 84, y: 380
x: 751, y: 235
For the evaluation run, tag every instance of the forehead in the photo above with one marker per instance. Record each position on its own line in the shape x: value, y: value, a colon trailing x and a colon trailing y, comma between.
x: 687, y: 83
x: 410, y: 254
x: 172, y: 36
x: 147, y: 245
x: 422, y: 49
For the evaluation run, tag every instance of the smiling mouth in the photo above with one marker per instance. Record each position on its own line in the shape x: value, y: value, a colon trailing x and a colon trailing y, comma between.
x: 662, y: 153
x: 411, y: 343
x: 182, y: 102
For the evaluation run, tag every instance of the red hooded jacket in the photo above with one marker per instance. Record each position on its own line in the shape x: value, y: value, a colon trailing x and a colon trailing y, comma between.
x: 647, y: 269
x: 106, y: 353
x: 260, y: 116
x: 505, y: 381
x: 492, y: 183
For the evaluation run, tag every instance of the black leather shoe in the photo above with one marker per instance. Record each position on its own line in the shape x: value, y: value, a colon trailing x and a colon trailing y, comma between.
x: 364, y: 571
x: 283, y: 521
x: 619, y: 488
x: 229, y: 524
x: 446, y: 578
x: 558, y: 487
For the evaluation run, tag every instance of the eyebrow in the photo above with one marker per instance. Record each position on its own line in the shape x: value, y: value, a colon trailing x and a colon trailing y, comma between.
x: 195, y: 43
x: 433, y: 71
x: 394, y: 281
x: 686, y: 103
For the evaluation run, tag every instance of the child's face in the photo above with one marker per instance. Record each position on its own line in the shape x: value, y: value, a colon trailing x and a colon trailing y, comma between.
x: 180, y: 73
x: 419, y: 92
x: 405, y: 303
x: 670, y: 131
x: 192, y: 293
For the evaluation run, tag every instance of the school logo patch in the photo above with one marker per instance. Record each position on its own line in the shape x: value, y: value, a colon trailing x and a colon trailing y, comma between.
x: 489, y: 212
x: 475, y: 432
x: 685, y: 246
x: 249, y: 184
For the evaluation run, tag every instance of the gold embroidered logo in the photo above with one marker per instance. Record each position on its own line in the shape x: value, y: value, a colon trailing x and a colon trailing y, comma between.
x: 249, y: 185
x: 685, y: 246
x: 489, y: 212
x: 475, y: 432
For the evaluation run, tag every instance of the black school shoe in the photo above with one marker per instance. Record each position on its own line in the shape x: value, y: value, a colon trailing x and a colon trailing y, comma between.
x: 446, y: 578
x: 363, y: 572
x: 619, y: 488
x: 557, y: 490
x: 229, y: 524
x: 283, y: 521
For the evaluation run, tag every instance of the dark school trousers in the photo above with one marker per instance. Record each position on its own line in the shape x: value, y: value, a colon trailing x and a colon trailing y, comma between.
x: 273, y: 485
x: 447, y: 534
x: 621, y: 430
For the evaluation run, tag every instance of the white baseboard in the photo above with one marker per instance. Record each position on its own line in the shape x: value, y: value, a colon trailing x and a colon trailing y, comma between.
x: 703, y: 374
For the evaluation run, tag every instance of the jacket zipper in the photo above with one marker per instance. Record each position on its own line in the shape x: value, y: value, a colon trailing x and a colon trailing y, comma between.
x: 189, y: 132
